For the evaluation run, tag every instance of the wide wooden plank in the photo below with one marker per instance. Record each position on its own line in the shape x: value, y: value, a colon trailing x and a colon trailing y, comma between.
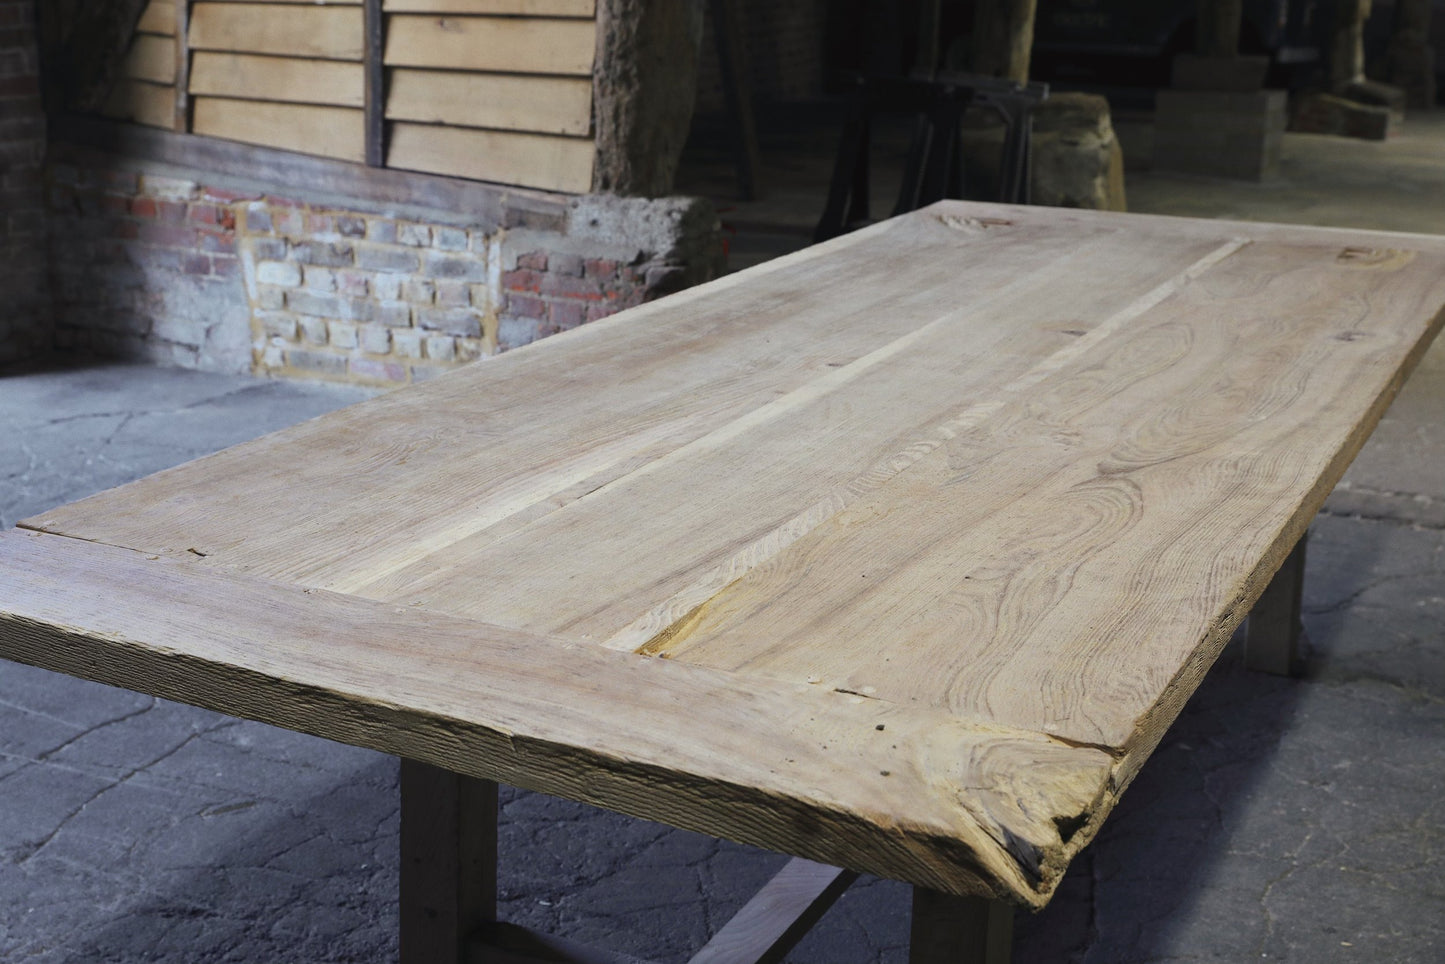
x: 150, y: 58
x: 795, y: 768
x: 548, y: 105
x: 1061, y: 565
x: 752, y: 487
x: 327, y: 131
x: 518, y: 45
x: 508, y: 157
x: 718, y: 358
x: 523, y: 8
x: 330, y: 33
x: 287, y: 79
x: 159, y: 17
x: 142, y: 102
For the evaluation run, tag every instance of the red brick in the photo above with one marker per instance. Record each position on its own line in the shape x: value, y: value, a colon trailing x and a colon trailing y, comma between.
x: 567, y: 286
x: 169, y: 235
x: 320, y: 223
x: 212, y: 214
x: 284, y: 202
x: 143, y: 207
x: 533, y: 261
x: 523, y: 279
x: 124, y: 229
x: 524, y: 306
x: 196, y: 264
x: 599, y: 269
x: 171, y: 211
x: 217, y: 241
x: 566, y: 314
x: 598, y: 312
x: 225, y: 266
x: 114, y: 204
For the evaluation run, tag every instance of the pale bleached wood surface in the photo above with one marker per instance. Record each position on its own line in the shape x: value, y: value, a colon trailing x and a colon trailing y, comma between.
x: 1012, y: 474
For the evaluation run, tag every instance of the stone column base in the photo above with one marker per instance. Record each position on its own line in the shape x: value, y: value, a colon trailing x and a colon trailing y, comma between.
x: 1234, y: 134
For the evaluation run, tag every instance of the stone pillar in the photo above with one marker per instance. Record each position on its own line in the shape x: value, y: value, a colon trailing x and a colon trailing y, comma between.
x: 1410, y: 61
x: 644, y: 82
x: 1218, y: 119
x: 1003, y: 38
x: 1347, y: 45
x: 25, y: 314
x: 1219, y: 22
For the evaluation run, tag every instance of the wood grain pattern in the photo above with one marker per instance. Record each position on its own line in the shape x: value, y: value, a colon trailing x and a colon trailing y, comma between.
x: 327, y: 32
x: 777, y: 765
x: 519, y: 45
x: 287, y: 79
x: 508, y: 157
x: 525, y: 8
x: 547, y: 105
x: 327, y: 131
x: 999, y: 480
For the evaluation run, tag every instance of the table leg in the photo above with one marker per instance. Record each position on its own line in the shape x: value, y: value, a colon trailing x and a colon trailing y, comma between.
x: 448, y: 862
x: 1274, y: 636
x: 959, y: 930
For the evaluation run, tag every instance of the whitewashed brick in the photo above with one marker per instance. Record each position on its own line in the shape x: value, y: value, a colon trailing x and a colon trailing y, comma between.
x: 283, y: 274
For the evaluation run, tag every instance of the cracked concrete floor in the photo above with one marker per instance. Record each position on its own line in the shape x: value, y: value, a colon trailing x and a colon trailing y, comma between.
x: 1287, y: 820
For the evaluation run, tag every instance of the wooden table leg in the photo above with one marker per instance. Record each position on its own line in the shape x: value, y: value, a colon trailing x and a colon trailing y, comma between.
x: 960, y: 930
x: 448, y: 862
x: 1274, y: 636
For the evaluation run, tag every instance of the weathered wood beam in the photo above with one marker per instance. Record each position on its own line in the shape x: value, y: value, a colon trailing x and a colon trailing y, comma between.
x: 374, y: 105
x: 778, y: 916
x: 959, y: 930
x: 1003, y: 38
x: 448, y: 862
x: 644, y: 83
x: 1274, y: 634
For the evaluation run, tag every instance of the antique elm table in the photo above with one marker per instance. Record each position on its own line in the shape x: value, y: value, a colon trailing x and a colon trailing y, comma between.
x: 897, y: 555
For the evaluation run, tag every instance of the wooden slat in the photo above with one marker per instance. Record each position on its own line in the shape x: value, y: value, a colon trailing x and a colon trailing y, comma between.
x: 518, y: 45
x: 778, y: 916
x: 287, y: 79
x: 158, y: 18
x: 331, y: 33
x: 328, y: 131
x: 181, y: 105
x: 547, y: 105
x: 547, y: 715
x: 374, y: 101
x: 531, y: 160
x: 151, y: 58
x: 526, y: 8
x: 142, y: 102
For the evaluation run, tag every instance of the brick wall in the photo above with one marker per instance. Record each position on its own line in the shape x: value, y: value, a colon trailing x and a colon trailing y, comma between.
x: 168, y: 266
x: 25, y: 308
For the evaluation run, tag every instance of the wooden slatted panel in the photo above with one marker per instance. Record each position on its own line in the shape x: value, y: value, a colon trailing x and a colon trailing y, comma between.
x: 527, y: 8
x: 142, y: 102
x: 290, y: 79
x: 520, y: 45
x: 548, y: 105
x: 151, y: 58
x: 327, y: 32
x: 532, y: 160
x: 158, y: 18
x: 327, y: 131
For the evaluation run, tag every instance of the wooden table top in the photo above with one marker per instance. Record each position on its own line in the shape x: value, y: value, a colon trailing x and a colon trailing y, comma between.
x: 898, y: 553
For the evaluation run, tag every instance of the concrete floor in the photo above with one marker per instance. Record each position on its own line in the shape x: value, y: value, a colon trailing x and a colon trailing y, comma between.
x: 1287, y: 820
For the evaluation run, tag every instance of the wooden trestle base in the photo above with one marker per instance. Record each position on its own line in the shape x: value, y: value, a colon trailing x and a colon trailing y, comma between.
x: 449, y: 861
x: 449, y: 897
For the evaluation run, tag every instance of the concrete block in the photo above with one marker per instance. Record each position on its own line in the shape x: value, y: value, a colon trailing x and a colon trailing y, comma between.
x: 1332, y: 114
x: 1232, y: 134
